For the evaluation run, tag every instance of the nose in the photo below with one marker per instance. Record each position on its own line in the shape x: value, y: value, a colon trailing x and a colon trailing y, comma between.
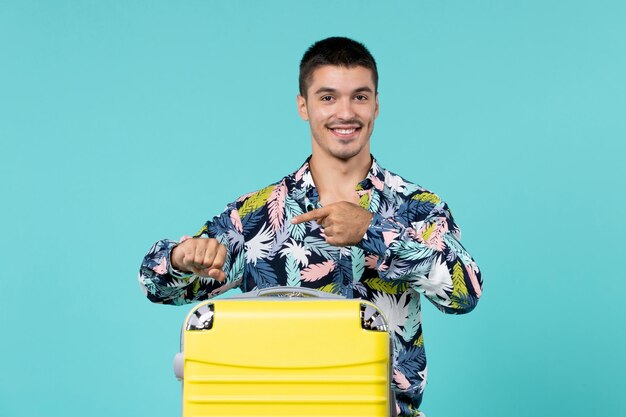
x: 345, y: 110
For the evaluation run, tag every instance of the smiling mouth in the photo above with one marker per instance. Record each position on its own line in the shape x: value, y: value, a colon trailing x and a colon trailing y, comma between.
x: 344, y: 132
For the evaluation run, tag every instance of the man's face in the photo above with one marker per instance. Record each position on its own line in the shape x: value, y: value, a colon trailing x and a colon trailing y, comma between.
x: 341, y: 106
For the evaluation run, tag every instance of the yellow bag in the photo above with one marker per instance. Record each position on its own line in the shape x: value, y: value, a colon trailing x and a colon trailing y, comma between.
x: 285, y: 351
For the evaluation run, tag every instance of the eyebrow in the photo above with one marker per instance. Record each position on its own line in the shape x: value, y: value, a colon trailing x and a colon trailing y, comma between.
x: 333, y: 90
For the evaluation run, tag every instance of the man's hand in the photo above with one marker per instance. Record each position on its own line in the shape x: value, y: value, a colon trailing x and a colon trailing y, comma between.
x: 203, y: 257
x: 343, y: 223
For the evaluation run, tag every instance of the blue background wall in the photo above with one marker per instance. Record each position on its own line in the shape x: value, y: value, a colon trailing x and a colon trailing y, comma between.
x: 123, y: 122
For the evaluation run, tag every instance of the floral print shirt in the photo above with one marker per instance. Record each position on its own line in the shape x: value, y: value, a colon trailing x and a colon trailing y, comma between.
x: 411, y: 248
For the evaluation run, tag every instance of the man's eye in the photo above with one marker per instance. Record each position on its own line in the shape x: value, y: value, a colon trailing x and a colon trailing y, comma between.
x: 326, y: 98
x: 360, y: 97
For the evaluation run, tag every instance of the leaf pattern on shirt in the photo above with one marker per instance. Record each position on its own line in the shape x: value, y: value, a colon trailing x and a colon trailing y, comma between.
x: 276, y: 206
x: 396, y: 310
x: 315, y: 272
x: 255, y: 201
x: 297, y: 251
x: 258, y: 247
x: 293, y: 271
x: 358, y: 263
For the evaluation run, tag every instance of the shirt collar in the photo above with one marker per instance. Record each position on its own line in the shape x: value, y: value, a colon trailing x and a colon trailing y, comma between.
x: 300, y: 183
x: 375, y: 178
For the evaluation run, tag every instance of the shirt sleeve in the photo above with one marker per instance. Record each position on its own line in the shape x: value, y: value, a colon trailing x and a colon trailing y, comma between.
x: 421, y: 245
x: 161, y: 283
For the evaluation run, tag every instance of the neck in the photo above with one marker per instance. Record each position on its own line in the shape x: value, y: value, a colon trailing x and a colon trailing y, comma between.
x: 336, y: 179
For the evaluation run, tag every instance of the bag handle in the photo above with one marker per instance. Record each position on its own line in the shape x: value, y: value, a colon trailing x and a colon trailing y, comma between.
x: 289, y: 292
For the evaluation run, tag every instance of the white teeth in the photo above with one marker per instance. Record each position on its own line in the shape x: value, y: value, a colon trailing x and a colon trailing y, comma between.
x: 345, y: 131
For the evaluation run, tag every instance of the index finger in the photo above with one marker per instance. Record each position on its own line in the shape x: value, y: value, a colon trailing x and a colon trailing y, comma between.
x: 311, y: 215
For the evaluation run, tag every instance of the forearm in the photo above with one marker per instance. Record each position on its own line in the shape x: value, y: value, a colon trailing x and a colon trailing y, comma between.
x: 428, y: 255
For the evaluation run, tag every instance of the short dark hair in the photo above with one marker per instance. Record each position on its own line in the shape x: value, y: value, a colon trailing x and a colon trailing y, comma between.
x: 338, y: 51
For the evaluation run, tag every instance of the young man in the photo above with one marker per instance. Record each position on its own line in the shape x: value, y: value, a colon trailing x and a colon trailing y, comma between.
x: 341, y: 223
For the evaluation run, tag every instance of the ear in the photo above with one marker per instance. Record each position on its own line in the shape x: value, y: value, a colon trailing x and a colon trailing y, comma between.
x: 302, y: 110
x: 376, y: 112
